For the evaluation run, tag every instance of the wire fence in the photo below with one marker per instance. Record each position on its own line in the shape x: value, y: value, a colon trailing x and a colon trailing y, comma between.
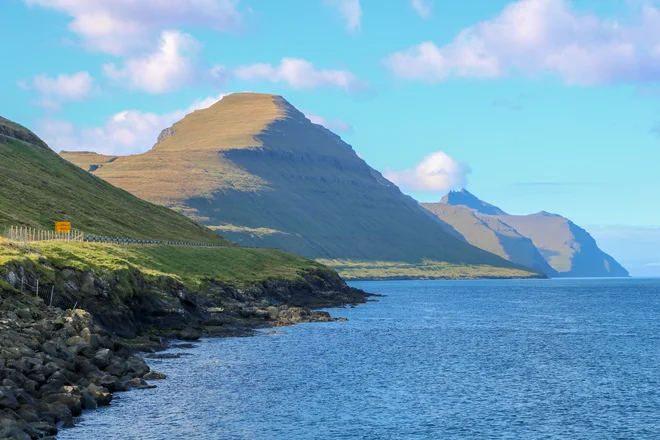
x: 48, y: 295
x: 25, y: 234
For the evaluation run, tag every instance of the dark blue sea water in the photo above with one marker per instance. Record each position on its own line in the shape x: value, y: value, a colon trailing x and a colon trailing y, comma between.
x: 546, y: 359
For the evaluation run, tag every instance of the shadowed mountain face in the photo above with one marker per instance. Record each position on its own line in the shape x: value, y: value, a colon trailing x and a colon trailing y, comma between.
x: 257, y: 170
x: 538, y: 240
x: 492, y: 234
x: 466, y: 198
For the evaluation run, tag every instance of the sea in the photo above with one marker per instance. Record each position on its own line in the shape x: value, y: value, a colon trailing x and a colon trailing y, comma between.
x: 511, y: 359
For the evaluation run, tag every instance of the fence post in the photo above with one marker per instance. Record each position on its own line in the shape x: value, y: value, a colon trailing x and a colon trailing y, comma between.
x: 37, y: 286
x: 51, y: 296
x: 22, y: 282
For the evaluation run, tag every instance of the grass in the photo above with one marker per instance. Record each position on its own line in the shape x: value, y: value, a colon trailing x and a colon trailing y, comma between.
x: 255, y: 169
x: 190, y: 265
x: 38, y: 188
x: 382, y: 270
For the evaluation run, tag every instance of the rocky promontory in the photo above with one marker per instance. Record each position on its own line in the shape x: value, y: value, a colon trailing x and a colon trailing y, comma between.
x: 56, y: 362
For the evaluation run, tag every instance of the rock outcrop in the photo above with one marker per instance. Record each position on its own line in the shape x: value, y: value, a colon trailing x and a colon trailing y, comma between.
x: 55, y: 363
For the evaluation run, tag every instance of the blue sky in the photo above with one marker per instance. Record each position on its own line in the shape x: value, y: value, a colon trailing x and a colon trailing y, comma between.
x: 533, y: 105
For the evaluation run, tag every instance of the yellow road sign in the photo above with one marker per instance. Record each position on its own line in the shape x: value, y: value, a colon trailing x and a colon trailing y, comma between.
x: 62, y: 227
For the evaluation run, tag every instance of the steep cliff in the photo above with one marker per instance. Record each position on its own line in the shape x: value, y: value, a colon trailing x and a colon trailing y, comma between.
x: 544, y: 241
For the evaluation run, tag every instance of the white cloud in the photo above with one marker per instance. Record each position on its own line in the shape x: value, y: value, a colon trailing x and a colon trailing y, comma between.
x: 115, y: 26
x: 542, y: 36
x: 351, y: 12
x: 63, y: 87
x: 336, y: 125
x: 423, y: 7
x: 437, y: 172
x: 170, y: 66
x: 126, y: 132
x: 301, y: 74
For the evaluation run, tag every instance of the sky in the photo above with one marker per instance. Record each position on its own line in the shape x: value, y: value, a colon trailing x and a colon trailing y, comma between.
x: 532, y: 105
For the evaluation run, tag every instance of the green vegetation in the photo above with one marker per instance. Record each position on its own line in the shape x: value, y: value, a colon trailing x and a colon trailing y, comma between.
x: 383, y: 270
x: 190, y: 265
x: 258, y: 166
x: 38, y: 188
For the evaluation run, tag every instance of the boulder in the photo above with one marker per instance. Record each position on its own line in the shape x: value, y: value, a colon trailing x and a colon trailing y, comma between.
x: 100, y: 394
x: 154, y: 375
x: 138, y: 383
x: 87, y: 401
x: 137, y: 366
x: 117, y: 368
x: 8, y: 399
x: 191, y: 334
x: 102, y: 358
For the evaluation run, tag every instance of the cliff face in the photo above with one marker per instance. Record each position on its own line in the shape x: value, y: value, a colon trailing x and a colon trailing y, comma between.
x: 544, y: 241
x: 55, y: 362
x: 492, y: 234
x: 568, y: 248
x: 256, y: 170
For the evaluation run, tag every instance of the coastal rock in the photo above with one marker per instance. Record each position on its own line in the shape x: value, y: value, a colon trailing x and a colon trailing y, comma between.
x: 191, y: 334
x: 8, y: 399
x: 102, y: 358
x: 154, y: 375
x: 100, y: 394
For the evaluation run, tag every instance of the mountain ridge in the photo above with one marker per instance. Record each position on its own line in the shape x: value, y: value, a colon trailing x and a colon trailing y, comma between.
x: 254, y: 168
x: 566, y: 249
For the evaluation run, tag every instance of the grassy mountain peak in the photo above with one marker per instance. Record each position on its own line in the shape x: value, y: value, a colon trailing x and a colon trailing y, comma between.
x: 255, y: 169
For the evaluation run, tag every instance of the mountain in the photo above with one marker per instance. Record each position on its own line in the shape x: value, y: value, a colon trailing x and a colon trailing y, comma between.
x: 465, y: 198
x: 38, y: 188
x: 543, y: 241
x: 492, y: 234
x: 257, y: 170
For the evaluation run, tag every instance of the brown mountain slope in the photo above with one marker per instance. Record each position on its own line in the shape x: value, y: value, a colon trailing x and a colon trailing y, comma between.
x: 567, y: 248
x: 492, y: 234
x: 87, y: 160
x: 38, y: 187
x: 256, y: 169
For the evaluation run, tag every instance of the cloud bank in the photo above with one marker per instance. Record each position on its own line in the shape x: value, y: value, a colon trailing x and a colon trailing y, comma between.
x: 422, y: 7
x: 534, y: 37
x: 125, y: 132
x: 117, y: 26
x: 54, y: 91
x: 437, y: 172
x: 169, y: 67
x: 301, y: 74
x: 351, y: 12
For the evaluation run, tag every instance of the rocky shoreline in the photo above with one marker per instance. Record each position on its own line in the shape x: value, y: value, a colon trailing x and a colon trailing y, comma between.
x: 55, y: 363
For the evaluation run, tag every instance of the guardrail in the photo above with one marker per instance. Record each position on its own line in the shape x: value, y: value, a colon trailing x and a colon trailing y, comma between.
x: 24, y: 234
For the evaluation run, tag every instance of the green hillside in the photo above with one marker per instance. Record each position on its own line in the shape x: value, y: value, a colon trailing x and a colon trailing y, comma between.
x: 255, y: 169
x: 38, y: 188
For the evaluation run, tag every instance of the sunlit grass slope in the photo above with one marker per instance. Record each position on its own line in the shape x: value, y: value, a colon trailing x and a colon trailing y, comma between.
x: 37, y: 188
